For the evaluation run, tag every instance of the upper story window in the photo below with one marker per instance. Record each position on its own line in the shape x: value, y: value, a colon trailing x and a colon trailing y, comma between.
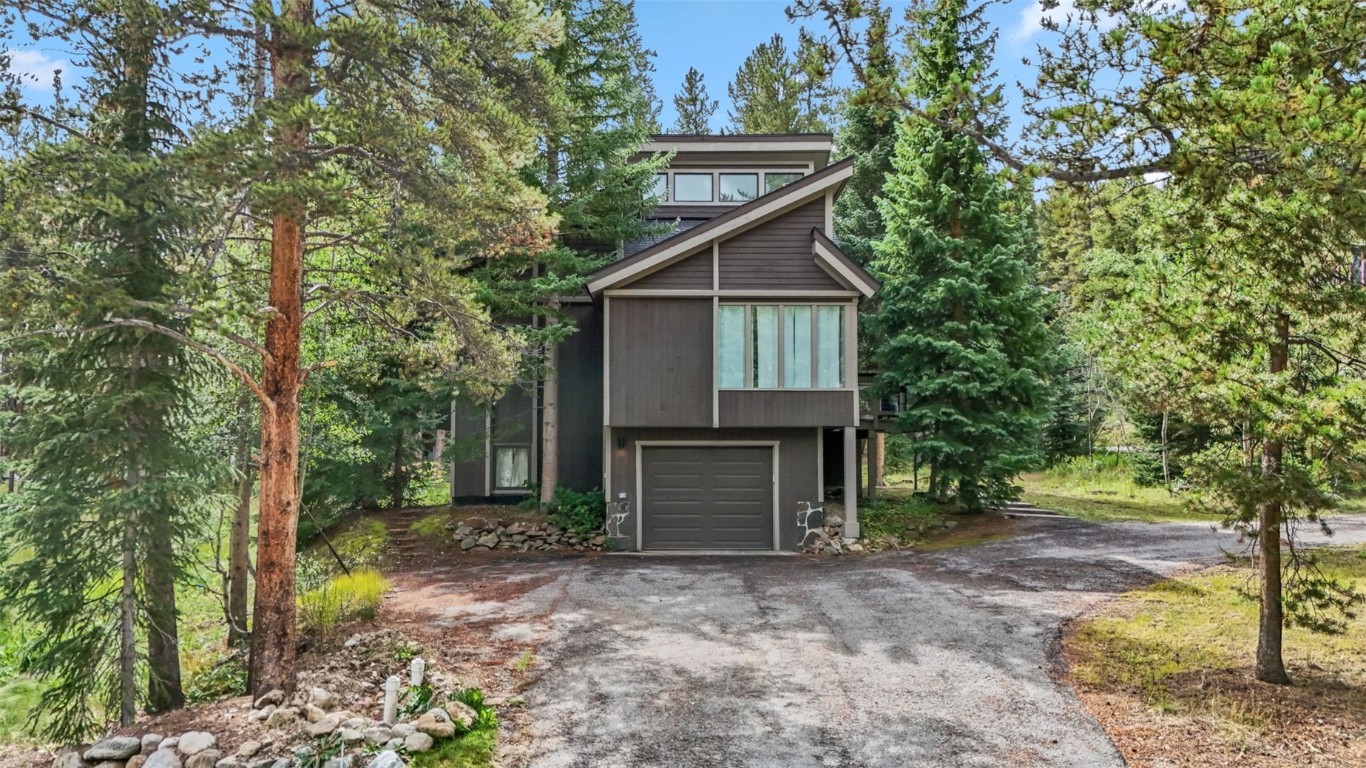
x: 692, y: 187
x: 739, y: 187
x: 776, y: 181
x: 780, y: 346
x: 718, y: 186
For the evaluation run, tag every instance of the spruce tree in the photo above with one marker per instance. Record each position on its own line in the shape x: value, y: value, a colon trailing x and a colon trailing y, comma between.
x: 694, y: 106
x: 960, y: 319
x: 110, y: 482
x: 777, y: 92
x: 868, y: 134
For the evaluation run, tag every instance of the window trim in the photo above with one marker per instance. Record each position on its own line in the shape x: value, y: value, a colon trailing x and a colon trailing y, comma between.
x: 748, y: 339
x: 493, y: 468
x: 762, y: 171
x: 758, y: 177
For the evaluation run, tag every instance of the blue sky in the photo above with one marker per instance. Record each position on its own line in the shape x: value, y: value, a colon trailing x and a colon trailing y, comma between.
x: 712, y: 35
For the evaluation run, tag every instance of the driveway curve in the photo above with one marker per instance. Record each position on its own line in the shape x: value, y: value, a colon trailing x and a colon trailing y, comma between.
x: 892, y: 660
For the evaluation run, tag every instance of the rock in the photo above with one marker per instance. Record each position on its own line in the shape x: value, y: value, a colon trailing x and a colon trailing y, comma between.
x: 68, y: 759
x: 394, y: 744
x: 833, y: 521
x: 113, y: 748
x: 273, y: 697
x: 418, y: 742
x: 476, y: 523
x: 150, y: 742
x: 194, y: 742
x: 403, y: 730
x: 488, y: 540
x: 856, y: 547
x: 461, y: 713
x: 170, y: 743
x: 349, y: 735
x: 206, y: 759
x: 352, y: 641
x: 281, y: 717
x: 468, y: 543
x: 463, y: 530
x: 324, y: 726
x: 230, y: 762
x: 110, y: 764
x: 163, y: 758
x: 338, y: 762
x: 321, y: 697
x: 248, y: 749
x: 136, y: 761
x: 950, y: 524
x: 387, y: 759
x: 377, y: 735
x: 356, y: 723
x: 313, y: 714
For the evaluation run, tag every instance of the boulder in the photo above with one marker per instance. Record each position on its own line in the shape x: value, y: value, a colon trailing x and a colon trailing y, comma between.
x: 462, y: 714
x: 68, y: 759
x: 206, y: 759
x: 324, y: 726
x: 387, y: 759
x: 272, y: 697
x: 468, y: 543
x: 281, y: 717
x: 136, y: 761
x: 163, y: 758
x: 476, y: 523
x: 833, y: 520
x: 314, y: 713
x: 377, y: 735
x: 349, y: 735
x: 111, y: 763
x: 394, y: 744
x: 113, y: 748
x: 418, y: 742
x: 248, y: 749
x: 403, y: 730
x: 170, y: 743
x: 194, y: 742
x: 150, y: 742
x: 488, y: 540
x: 321, y: 697
x: 230, y: 762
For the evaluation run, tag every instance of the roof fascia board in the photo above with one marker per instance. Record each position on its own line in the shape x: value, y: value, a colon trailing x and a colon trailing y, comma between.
x: 829, y: 256
x: 689, y: 240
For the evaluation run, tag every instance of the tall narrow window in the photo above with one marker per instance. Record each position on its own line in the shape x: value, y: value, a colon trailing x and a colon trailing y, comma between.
x: 765, y: 346
x: 829, y: 346
x: 730, y: 346
x: 797, y: 347
x: 511, y: 467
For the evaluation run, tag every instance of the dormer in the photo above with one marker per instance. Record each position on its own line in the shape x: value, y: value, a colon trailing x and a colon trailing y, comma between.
x: 712, y: 174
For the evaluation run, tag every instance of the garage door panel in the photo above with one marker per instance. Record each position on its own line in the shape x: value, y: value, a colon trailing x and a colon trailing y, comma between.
x: 707, y: 497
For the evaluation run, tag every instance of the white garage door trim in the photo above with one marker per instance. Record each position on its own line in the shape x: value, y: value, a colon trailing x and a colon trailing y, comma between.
x: 641, y: 445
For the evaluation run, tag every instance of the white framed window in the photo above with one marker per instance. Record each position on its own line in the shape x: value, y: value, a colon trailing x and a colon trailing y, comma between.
x: 716, y: 185
x: 780, y: 346
x: 511, y: 467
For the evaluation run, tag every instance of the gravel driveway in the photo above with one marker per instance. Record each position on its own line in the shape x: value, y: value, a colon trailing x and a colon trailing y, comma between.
x: 895, y: 660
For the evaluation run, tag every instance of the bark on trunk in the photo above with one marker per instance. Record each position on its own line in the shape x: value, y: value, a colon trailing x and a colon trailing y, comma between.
x: 398, y: 478
x: 273, y: 631
x: 1271, y: 619
x: 128, y: 652
x: 550, y: 424
x: 164, y: 691
x: 1166, y: 464
x: 239, y: 538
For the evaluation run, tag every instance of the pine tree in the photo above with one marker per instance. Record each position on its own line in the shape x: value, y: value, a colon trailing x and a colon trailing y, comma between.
x: 868, y: 134
x: 694, y: 106
x: 775, y: 92
x: 960, y: 318
x: 111, y: 484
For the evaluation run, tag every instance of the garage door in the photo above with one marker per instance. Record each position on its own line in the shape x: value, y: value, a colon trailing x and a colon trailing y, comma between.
x: 714, y: 497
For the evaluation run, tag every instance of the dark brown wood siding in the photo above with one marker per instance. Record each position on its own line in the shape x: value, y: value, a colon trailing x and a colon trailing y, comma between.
x: 581, y: 401
x: 795, y: 408
x: 798, y: 471
x: 661, y: 362
x: 777, y: 254
x: 692, y: 273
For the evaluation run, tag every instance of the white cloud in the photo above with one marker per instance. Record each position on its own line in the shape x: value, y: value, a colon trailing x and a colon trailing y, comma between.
x: 35, y: 68
x: 1032, y: 18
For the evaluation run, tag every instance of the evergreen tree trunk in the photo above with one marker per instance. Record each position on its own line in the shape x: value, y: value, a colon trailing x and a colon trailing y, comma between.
x: 128, y: 651
x: 239, y: 538
x: 163, y: 638
x: 398, y: 476
x: 1271, y: 618
x: 550, y: 424
x: 273, y: 622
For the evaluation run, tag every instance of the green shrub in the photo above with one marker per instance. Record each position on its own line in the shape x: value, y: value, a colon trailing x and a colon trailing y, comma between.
x: 364, y: 545
x: 341, y: 599
x: 227, y: 676
x: 432, y: 526
x: 487, y: 717
x: 578, y: 512
x: 473, y: 750
x: 417, y: 700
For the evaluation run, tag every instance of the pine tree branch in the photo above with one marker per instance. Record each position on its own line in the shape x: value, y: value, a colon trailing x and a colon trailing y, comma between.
x: 44, y: 119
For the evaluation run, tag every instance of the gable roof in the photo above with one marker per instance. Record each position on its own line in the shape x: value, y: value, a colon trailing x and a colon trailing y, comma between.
x: 841, y: 267
x: 733, y: 221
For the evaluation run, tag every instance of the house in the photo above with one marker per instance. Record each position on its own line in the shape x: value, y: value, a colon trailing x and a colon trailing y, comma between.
x: 712, y: 386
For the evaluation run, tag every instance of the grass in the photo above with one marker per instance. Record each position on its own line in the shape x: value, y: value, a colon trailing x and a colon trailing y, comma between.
x: 364, y: 544
x: 18, y: 697
x: 433, y: 526
x: 1103, y: 489
x: 473, y: 750
x: 350, y: 596
x: 899, y: 516
x: 1186, y: 646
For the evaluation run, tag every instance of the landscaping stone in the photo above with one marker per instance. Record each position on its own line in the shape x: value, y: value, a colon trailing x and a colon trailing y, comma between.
x: 70, y: 759
x: 418, y: 742
x: 136, y: 761
x: 468, y: 543
x: 488, y: 540
x: 377, y: 734
x: 114, y: 748
x: 403, y: 730
x: 324, y: 726
x: 109, y: 764
x: 230, y: 762
x: 194, y: 742
x: 248, y: 749
x: 272, y: 697
x: 206, y: 759
x: 321, y: 697
x: 349, y: 735
x: 461, y: 713
x: 170, y: 743
x: 281, y: 717
x: 313, y: 713
x: 338, y: 762
x: 394, y: 744
x: 387, y: 759
x: 163, y: 758
x: 150, y: 742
